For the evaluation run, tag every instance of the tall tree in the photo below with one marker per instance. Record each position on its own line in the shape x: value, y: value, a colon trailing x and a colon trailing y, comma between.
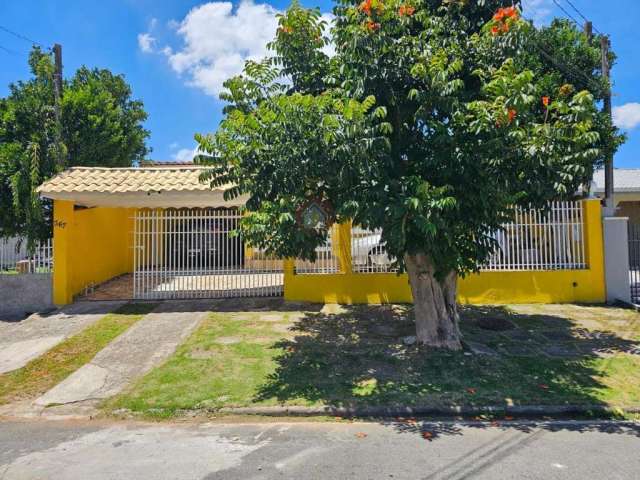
x: 101, y: 126
x: 433, y: 119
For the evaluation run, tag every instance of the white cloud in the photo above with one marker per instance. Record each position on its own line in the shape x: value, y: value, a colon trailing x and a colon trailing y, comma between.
x: 537, y: 10
x: 330, y: 48
x: 218, y: 40
x: 185, y: 154
x: 627, y: 116
x: 146, y: 42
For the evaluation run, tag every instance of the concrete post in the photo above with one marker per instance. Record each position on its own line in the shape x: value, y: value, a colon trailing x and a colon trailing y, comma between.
x: 616, y: 259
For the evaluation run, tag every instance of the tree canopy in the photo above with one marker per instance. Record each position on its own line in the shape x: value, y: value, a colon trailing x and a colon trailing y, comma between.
x: 431, y: 121
x: 101, y: 125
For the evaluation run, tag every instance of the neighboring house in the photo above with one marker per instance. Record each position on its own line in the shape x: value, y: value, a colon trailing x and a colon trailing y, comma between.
x: 626, y: 192
x: 160, y: 234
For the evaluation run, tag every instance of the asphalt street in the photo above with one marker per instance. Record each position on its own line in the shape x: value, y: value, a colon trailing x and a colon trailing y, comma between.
x: 96, y: 450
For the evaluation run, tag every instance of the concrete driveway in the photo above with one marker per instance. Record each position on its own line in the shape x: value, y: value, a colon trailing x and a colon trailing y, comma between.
x: 452, y: 451
x: 135, y: 352
x: 22, y: 341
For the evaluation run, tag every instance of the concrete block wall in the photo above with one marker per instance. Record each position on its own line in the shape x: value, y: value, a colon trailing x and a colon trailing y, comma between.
x: 24, y: 294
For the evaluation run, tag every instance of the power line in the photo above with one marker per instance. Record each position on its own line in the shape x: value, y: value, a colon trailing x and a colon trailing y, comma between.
x: 21, y: 37
x: 581, y: 14
x: 571, y: 70
x: 9, y: 51
x: 565, y: 12
x: 577, y: 11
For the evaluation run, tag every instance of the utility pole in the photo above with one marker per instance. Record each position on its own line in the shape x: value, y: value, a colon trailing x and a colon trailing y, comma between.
x: 608, y: 161
x: 57, y: 89
x: 588, y: 30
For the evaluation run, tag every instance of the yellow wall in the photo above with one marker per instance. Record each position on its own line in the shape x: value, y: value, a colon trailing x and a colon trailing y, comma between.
x: 90, y: 246
x: 498, y: 287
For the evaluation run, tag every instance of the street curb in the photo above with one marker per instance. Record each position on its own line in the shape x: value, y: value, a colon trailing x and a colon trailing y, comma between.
x: 396, y: 411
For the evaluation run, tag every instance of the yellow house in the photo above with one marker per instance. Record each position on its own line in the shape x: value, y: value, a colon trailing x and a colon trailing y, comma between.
x: 162, y: 234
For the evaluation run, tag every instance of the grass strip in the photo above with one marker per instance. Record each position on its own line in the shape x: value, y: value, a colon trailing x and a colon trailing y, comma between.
x: 43, y: 373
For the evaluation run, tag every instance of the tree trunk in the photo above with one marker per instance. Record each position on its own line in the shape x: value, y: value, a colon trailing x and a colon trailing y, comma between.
x: 435, y: 309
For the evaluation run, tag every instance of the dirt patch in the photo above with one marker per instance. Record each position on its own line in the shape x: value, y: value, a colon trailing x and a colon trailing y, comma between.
x: 495, y: 324
x: 281, y: 328
x: 271, y: 318
x: 228, y: 340
x: 202, y: 354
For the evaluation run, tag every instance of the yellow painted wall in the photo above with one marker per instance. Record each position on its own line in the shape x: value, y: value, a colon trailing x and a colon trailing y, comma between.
x: 497, y: 287
x: 90, y: 246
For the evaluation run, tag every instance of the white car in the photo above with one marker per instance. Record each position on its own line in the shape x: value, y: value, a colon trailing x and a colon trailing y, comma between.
x: 368, y: 250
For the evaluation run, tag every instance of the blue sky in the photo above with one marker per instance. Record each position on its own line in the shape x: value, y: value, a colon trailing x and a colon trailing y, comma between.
x: 175, y: 54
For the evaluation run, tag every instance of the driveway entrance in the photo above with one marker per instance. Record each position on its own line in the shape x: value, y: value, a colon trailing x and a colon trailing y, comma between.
x: 196, y: 253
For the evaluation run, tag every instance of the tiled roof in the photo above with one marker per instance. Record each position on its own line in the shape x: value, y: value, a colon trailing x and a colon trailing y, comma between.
x: 125, y: 180
x: 624, y: 180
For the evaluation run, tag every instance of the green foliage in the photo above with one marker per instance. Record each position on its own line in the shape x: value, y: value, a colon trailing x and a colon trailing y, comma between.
x: 431, y: 121
x: 101, y: 126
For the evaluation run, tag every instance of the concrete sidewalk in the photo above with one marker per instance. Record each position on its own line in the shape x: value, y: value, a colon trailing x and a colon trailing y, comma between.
x: 22, y: 341
x: 143, y: 346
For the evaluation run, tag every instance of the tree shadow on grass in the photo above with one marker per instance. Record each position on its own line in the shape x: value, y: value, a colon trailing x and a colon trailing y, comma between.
x: 364, y: 358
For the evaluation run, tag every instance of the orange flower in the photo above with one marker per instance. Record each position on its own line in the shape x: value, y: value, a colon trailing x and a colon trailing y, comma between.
x: 510, y: 12
x: 512, y: 114
x: 365, y: 7
x: 406, y: 10
x: 501, y: 18
x: 545, y: 101
x: 503, y: 13
x: 286, y: 29
x: 372, y: 26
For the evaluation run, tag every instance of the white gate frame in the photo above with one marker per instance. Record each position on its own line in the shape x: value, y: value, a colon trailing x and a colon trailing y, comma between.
x: 196, y: 253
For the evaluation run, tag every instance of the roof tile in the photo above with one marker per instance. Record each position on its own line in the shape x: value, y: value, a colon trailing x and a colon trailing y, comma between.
x: 125, y: 180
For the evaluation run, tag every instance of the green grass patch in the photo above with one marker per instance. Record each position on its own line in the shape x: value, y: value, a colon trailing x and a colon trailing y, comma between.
x: 541, y: 355
x: 44, y: 372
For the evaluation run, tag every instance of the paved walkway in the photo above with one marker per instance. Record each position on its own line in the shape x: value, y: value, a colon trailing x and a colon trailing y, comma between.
x: 21, y: 342
x: 143, y: 346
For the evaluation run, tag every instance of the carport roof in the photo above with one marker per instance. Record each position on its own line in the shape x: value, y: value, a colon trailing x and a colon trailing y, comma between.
x: 153, y: 187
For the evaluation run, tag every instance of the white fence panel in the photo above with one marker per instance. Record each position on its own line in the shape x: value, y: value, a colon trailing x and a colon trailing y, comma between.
x: 542, y: 241
x: 368, y: 253
x: 326, y: 262
x: 15, y: 256
x: 536, y: 240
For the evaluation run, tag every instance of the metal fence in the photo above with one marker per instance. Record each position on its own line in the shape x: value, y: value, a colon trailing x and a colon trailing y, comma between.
x: 634, y: 262
x: 195, y: 253
x: 368, y: 252
x: 327, y: 260
x: 542, y: 240
x: 536, y: 240
x: 15, y: 256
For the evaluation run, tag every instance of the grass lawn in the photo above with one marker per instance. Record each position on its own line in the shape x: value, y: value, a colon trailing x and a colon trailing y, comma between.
x: 546, y: 354
x: 44, y: 372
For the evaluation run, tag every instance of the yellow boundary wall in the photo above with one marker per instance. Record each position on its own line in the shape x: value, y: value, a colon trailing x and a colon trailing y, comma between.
x: 495, y: 287
x: 90, y: 246
x: 93, y: 245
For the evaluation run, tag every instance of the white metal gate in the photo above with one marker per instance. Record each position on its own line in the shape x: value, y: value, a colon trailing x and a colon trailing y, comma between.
x: 195, y: 253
